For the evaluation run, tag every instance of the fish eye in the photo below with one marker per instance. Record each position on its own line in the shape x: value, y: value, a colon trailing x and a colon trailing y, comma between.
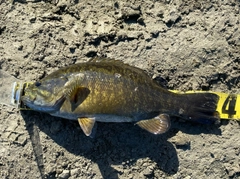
x: 37, y: 83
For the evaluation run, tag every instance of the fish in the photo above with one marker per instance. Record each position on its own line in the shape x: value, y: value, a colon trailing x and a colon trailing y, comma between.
x: 108, y: 90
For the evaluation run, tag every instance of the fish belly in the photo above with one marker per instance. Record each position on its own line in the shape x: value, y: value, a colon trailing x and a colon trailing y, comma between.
x: 97, y: 117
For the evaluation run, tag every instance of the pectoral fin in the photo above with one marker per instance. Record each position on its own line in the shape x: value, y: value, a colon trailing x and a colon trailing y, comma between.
x: 87, y: 125
x: 77, y: 96
x: 75, y: 92
x: 158, y: 125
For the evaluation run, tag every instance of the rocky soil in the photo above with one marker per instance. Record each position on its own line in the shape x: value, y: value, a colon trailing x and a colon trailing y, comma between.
x: 184, y: 44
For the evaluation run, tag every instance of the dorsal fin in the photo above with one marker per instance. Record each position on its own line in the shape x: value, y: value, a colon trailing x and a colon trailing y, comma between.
x: 111, y: 61
x: 107, y: 60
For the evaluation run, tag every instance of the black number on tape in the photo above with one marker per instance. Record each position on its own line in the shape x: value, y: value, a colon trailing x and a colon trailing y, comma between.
x: 230, y: 102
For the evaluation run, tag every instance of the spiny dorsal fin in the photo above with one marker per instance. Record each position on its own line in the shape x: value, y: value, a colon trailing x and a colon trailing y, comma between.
x: 111, y: 61
x: 158, y: 125
x: 106, y: 60
x: 87, y: 125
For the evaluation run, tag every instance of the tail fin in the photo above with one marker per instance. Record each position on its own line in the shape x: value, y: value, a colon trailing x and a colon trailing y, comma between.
x: 200, y: 107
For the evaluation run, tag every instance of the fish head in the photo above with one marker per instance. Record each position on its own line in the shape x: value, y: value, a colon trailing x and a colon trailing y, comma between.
x: 44, y: 95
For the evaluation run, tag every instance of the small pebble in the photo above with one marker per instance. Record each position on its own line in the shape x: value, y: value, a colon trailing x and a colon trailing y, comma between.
x: 147, y: 171
x: 75, y: 171
x: 64, y: 175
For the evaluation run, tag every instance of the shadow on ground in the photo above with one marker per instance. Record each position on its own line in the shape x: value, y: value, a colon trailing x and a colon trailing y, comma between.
x: 113, y: 144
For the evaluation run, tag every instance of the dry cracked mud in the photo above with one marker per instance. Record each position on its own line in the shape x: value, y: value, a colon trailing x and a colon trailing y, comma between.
x: 184, y: 44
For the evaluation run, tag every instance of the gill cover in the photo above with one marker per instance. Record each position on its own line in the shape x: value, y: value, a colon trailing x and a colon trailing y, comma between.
x: 45, y: 95
x: 49, y: 94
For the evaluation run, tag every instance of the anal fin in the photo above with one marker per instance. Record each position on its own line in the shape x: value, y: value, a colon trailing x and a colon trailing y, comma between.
x: 87, y: 125
x: 158, y: 125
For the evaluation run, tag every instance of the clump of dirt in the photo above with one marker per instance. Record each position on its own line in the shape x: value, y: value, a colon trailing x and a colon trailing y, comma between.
x: 189, y: 44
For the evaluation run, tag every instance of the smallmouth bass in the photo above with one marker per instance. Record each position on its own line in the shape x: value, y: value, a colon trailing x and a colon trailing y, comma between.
x: 107, y: 90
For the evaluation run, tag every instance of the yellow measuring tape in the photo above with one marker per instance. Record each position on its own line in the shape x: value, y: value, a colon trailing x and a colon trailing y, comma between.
x: 228, y: 104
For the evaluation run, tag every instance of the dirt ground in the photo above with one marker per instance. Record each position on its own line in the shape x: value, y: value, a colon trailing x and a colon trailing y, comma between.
x: 184, y: 44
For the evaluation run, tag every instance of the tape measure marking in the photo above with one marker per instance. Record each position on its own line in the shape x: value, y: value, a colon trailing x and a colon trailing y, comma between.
x: 229, y: 106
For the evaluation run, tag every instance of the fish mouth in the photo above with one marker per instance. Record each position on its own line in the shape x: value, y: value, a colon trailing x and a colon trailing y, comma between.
x: 42, y: 107
x: 30, y: 103
x: 26, y: 100
x: 18, y: 90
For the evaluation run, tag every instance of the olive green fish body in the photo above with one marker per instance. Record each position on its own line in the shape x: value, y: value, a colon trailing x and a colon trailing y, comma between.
x: 110, y: 91
x: 117, y: 92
